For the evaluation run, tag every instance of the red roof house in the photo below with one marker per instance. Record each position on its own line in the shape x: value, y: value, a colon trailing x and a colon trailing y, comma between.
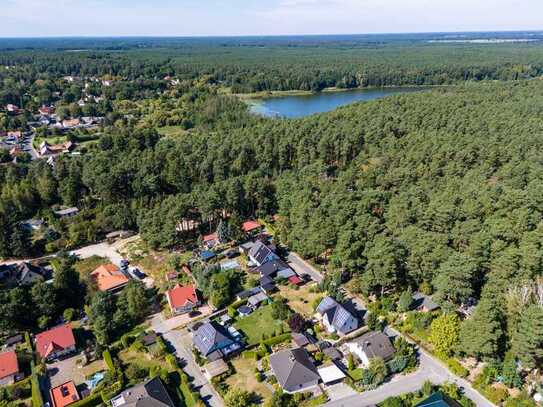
x: 251, y: 226
x: 64, y: 395
x: 9, y: 368
x: 55, y: 342
x: 211, y: 240
x: 182, y: 299
x: 108, y: 277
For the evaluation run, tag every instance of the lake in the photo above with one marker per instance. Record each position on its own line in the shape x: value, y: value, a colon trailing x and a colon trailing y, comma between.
x: 305, y: 105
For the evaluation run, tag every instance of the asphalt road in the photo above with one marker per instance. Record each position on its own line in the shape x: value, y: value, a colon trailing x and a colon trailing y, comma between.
x: 301, y: 267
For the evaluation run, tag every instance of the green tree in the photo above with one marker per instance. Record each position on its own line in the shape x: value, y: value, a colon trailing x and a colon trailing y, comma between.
x: 405, y: 300
x: 444, y: 333
x: 454, y: 281
x: 528, y: 338
x: 238, y: 398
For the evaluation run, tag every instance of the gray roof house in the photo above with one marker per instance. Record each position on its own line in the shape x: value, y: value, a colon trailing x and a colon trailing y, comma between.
x: 27, y: 273
x: 213, y: 341
x: 152, y: 393
x: 424, y: 303
x: 260, y: 254
x: 371, y: 345
x: 294, y: 370
x: 335, y: 317
x: 255, y: 300
x: 66, y: 212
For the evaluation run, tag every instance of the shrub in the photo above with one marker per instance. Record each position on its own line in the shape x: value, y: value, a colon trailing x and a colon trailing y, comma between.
x: 456, y: 367
x: 277, y: 339
x: 108, y: 360
x: 249, y: 354
x: 68, y: 314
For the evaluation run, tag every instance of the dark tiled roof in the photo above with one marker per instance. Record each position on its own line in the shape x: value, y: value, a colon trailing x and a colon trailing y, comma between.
x: 149, y: 394
x: 376, y: 344
x: 438, y: 399
x: 208, y: 336
x: 293, y: 368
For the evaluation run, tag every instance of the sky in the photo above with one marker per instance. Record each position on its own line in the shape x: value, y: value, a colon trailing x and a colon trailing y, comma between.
x: 43, y: 18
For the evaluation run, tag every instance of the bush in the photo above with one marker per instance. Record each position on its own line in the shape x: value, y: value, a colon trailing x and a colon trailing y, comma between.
x: 277, y: 339
x: 249, y: 354
x: 456, y: 368
x: 37, y: 399
x: 69, y: 314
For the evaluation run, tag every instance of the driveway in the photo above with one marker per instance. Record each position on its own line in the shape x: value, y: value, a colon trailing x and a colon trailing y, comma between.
x: 162, y: 325
x: 100, y: 249
x: 182, y: 342
x: 302, y: 267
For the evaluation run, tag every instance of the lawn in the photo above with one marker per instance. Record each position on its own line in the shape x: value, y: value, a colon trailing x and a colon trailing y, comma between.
x: 244, y: 378
x: 356, y: 374
x: 260, y: 322
x: 51, y: 140
x: 300, y: 300
x: 87, y: 266
x: 142, y: 359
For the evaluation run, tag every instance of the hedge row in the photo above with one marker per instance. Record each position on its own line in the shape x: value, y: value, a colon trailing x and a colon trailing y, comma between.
x: 277, y: 339
x: 93, y: 400
x: 108, y: 360
x: 190, y: 397
x: 37, y: 399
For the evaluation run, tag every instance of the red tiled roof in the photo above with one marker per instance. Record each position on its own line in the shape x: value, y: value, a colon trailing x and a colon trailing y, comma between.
x: 64, y: 395
x: 295, y: 280
x: 181, y: 296
x: 8, y: 364
x: 212, y: 236
x: 250, y: 225
x: 55, y: 339
x: 108, y: 277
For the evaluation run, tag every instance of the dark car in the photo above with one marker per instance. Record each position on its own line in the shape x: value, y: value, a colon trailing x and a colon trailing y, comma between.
x: 232, y: 254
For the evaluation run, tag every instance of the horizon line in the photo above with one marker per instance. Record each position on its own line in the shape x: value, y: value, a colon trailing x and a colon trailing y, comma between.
x: 79, y: 36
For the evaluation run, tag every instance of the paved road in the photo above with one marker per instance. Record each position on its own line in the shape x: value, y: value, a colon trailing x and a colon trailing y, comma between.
x: 430, y: 368
x: 301, y: 267
x: 100, y: 249
x: 182, y: 342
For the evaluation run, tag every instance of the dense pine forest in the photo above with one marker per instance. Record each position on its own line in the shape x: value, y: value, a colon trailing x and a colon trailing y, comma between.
x: 438, y: 191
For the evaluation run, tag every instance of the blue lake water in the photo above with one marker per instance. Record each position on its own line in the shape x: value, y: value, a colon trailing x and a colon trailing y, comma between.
x: 301, y: 106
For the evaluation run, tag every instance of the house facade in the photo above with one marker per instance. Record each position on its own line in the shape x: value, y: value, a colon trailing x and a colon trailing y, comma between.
x: 56, y: 342
x: 9, y: 368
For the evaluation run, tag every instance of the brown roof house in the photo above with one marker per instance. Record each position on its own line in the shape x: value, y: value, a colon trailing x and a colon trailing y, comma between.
x: 108, y: 277
x: 371, y: 345
x: 294, y: 370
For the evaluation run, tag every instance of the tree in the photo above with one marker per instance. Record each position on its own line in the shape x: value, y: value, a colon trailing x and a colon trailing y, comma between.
x: 223, y: 232
x: 528, y: 338
x: 405, y: 300
x: 45, y: 301
x: 238, y: 398
x: 444, y: 334
x: 135, y: 299
x: 296, y: 322
x: 482, y: 335
x: 378, y: 370
x: 510, y: 373
x: 454, y: 281
x: 280, y: 310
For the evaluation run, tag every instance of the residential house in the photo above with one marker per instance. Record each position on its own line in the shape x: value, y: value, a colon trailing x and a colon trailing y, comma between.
x: 438, y: 399
x: 335, y: 317
x: 274, y: 269
x: 108, y: 277
x: 294, y: 370
x: 213, y: 341
x: 47, y: 149
x: 212, y: 240
x: 27, y: 273
x: 255, y: 300
x: 424, y: 303
x: 46, y: 110
x: 248, y: 293
x: 65, y: 394
x: 267, y: 285
x: 70, y: 123
x: 56, y: 342
x: 66, y: 212
x: 9, y: 368
x: 260, y: 254
x: 14, y: 340
x: 371, y: 345
x: 182, y: 299
x: 251, y: 226
x: 152, y: 393
x: 300, y: 339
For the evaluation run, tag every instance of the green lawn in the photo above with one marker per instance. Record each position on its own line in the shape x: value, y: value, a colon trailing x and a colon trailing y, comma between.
x: 259, y: 323
x: 356, y: 374
x: 50, y: 140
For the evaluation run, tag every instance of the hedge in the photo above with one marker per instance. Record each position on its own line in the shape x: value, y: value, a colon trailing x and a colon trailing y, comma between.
x: 249, y: 354
x: 37, y: 399
x: 108, y: 360
x: 277, y: 339
x: 91, y: 401
x: 108, y: 393
x: 455, y: 367
x: 190, y: 397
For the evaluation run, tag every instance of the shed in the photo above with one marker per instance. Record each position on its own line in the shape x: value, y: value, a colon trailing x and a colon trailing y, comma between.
x: 215, y: 368
x: 244, y: 310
